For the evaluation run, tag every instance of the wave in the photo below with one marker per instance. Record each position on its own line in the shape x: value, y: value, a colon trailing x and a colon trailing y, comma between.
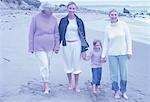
x: 145, y: 20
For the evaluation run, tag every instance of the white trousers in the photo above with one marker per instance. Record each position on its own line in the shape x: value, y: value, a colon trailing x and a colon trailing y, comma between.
x: 44, y: 59
x: 72, y: 57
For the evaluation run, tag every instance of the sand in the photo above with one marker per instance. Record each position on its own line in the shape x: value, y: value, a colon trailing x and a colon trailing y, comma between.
x: 19, y: 71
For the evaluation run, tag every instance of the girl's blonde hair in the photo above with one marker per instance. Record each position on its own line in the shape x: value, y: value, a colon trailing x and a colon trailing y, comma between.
x: 96, y: 41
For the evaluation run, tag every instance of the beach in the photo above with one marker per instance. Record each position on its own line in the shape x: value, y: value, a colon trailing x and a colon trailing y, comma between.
x: 20, y: 80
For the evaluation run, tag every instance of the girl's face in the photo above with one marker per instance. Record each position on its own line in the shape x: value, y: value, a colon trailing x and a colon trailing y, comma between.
x: 72, y: 9
x: 97, y: 45
x: 113, y: 16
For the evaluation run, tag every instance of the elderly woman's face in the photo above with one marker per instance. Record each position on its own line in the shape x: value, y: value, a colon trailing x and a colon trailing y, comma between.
x: 48, y: 11
x: 72, y: 9
x: 113, y: 15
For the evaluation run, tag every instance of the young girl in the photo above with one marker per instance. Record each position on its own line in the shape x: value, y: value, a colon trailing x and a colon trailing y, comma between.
x: 96, y: 64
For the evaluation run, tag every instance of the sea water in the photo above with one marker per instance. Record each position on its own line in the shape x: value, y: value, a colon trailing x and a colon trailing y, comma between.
x: 139, y: 26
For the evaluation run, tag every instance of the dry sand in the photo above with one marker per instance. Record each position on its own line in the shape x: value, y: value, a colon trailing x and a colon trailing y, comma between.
x: 19, y: 72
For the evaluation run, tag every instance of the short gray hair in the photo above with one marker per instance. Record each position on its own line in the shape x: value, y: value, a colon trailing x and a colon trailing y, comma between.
x: 45, y: 5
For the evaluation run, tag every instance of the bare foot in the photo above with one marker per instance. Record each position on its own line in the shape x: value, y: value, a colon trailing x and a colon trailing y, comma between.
x: 46, y: 88
x: 116, y: 95
x: 70, y: 87
x: 94, y: 91
x: 94, y: 88
x: 77, y: 90
x: 124, y: 95
x: 46, y: 92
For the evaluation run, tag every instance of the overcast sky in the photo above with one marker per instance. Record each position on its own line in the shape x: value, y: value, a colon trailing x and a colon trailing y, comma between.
x: 92, y: 0
x: 84, y: 2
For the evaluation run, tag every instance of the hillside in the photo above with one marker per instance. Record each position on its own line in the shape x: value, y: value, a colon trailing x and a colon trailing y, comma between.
x: 19, y: 4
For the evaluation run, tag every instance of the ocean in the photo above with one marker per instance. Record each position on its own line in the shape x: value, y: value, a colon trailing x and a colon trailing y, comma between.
x: 119, y: 8
x: 140, y: 28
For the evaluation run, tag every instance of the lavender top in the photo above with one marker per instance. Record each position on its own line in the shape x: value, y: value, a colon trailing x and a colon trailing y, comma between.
x: 95, y: 57
x: 43, y: 34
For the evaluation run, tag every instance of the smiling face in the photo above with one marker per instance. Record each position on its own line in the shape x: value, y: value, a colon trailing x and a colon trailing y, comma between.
x: 71, y: 9
x: 113, y: 16
x: 97, y: 45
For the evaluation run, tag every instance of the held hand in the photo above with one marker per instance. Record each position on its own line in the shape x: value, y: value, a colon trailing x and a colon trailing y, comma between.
x: 56, y: 51
x: 129, y: 56
x: 103, y: 60
x: 83, y: 55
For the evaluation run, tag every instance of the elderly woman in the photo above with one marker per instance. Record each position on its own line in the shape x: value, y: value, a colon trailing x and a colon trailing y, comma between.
x: 72, y: 37
x: 118, y: 46
x: 44, y: 40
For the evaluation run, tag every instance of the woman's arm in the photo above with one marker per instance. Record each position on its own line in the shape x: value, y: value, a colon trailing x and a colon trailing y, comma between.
x: 31, y: 35
x: 60, y: 31
x: 128, y: 41
x: 83, y: 35
x: 105, y: 45
x: 57, y: 38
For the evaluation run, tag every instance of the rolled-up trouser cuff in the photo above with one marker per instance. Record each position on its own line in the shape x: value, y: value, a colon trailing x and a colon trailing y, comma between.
x: 115, y: 86
x: 77, y: 72
x: 123, y: 84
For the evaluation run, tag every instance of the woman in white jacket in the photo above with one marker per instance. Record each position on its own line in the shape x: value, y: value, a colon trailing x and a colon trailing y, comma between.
x: 118, y: 46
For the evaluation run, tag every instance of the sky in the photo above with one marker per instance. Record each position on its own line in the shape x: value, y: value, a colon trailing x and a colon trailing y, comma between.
x: 93, y: 2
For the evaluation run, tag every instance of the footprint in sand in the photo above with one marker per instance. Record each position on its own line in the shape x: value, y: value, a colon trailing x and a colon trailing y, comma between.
x: 34, y: 88
x: 104, y: 93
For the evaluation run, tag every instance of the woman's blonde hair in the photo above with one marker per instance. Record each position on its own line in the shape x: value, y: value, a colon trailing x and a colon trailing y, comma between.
x: 72, y: 3
x: 112, y: 10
